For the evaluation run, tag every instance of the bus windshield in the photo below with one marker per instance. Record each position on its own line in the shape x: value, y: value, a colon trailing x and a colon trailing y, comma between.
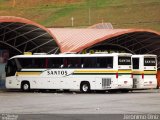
x: 149, y: 62
x: 11, y: 68
x: 124, y: 60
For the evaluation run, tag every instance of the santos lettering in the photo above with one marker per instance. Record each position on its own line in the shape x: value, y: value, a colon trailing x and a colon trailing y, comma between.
x: 57, y: 72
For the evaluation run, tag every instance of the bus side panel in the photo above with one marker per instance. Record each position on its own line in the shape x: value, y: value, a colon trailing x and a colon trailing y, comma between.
x: 65, y: 83
x: 125, y: 82
x: 12, y: 83
x: 36, y: 82
x: 150, y: 81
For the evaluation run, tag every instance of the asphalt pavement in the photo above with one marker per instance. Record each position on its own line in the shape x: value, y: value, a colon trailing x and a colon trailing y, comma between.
x: 136, y: 102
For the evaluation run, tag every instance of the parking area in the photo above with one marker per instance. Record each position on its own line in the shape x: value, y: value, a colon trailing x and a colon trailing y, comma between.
x: 137, y: 102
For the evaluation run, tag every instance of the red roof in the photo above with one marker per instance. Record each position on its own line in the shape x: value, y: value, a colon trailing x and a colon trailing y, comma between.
x: 75, y: 40
x: 20, y: 20
x: 26, y: 21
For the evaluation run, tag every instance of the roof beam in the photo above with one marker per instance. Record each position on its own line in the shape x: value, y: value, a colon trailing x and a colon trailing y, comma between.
x: 11, y: 30
x: 51, y: 40
x: 11, y: 46
x: 7, y: 25
x: 147, y: 45
x: 31, y: 39
x: 55, y: 49
x: 153, y: 50
x: 23, y: 34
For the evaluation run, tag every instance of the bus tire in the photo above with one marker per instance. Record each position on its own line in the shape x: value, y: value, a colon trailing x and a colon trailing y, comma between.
x: 85, y: 87
x: 25, y: 86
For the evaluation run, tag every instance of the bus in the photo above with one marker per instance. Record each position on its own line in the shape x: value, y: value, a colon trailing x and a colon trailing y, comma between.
x: 79, y: 72
x: 144, y: 71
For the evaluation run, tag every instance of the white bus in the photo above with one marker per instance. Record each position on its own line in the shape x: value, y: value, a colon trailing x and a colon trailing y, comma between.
x: 84, y: 72
x: 144, y: 71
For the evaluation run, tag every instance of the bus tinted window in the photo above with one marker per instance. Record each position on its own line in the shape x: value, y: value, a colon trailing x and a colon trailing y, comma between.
x: 68, y: 62
x: 124, y: 60
x: 149, y: 62
x: 32, y: 62
x: 55, y: 62
x: 88, y: 62
x: 72, y: 62
x: 81, y: 62
x: 135, y: 63
x: 105, y: 62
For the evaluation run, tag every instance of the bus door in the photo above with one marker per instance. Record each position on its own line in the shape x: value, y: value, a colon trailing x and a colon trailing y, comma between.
x: 136, y: 75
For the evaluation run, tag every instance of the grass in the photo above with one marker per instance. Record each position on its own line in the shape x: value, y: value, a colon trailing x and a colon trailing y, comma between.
x: 121, y: 13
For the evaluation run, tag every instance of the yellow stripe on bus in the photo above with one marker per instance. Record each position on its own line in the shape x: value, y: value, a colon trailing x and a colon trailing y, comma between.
x: 102, y: 71
x: 124, y: 71
x: 144, y: 72
x: 35, y: 73
x: 28, y: 73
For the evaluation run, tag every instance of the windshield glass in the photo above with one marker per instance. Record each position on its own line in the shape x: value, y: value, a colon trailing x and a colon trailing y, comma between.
x: 11, y: 68
x: 124, y: 60
x: 149, y: 62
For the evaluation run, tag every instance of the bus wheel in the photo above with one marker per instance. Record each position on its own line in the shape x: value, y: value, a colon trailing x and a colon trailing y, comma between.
x: 25, y: 86
x: 85, y: 87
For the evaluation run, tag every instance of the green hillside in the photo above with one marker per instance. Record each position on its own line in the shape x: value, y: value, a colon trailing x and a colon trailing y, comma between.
x: 58, y: 13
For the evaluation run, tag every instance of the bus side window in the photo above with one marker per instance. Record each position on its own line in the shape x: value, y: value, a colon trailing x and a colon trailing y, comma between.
x: 70, y: 66
x: 76, y: 66
x: 55, y: 62
x: 105, y: 62
x: 82, y: 65
x: 61, y: 66
x: 109, y: 66
x: 135, y: 63
x: 88, y: 62
x: 72, y: 62
x: 39, y: 63
x: 98, y: 65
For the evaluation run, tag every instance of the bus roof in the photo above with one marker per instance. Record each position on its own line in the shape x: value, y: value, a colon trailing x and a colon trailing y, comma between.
x: 144, y: 55
x: 71, y: 55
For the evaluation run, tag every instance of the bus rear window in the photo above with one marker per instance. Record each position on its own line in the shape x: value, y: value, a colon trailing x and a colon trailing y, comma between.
x: 149, y: 62
x: 124, y: 60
